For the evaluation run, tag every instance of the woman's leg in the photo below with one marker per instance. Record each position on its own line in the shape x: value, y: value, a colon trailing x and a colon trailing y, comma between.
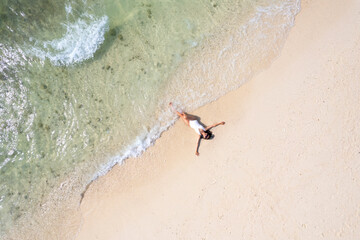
x: 182, y: 115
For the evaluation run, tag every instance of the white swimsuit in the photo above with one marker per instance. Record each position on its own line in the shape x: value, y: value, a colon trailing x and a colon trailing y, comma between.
x: 196, y: 126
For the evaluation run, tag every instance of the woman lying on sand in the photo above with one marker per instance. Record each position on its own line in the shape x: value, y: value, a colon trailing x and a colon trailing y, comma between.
x: 193, y: 122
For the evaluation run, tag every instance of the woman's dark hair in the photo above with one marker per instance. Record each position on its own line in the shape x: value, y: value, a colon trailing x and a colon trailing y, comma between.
x: 209, y: 135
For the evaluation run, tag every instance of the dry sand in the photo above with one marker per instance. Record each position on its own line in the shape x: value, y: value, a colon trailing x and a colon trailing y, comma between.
x: 285, y: 166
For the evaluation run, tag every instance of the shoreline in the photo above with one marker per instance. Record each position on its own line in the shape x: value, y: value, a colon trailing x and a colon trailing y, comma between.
x: 274, y: 163
x: 220, y: 47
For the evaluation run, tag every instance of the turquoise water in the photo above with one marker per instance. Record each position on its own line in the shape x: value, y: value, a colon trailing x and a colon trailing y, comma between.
x: 85, y: 84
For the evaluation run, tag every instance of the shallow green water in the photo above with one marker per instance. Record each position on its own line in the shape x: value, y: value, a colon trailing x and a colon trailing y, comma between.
x: 84, y: 84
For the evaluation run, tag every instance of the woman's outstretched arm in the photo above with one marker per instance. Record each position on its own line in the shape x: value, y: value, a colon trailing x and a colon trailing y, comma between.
x: 214, y: 125
x: 197, y: 146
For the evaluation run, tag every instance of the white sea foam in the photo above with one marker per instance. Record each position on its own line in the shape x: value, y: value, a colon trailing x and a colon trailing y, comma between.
x: 80, y: 42
x: 68, y: 8
x: 136, y: 148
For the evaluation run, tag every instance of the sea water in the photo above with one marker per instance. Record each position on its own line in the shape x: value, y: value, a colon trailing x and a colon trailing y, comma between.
x: 85, y: 84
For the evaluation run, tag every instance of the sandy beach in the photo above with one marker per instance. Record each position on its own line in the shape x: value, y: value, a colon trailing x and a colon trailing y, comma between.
x: 286, y: 165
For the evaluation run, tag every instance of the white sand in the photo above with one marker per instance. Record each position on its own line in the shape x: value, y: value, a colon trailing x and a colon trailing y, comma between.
x: 285, y: 166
